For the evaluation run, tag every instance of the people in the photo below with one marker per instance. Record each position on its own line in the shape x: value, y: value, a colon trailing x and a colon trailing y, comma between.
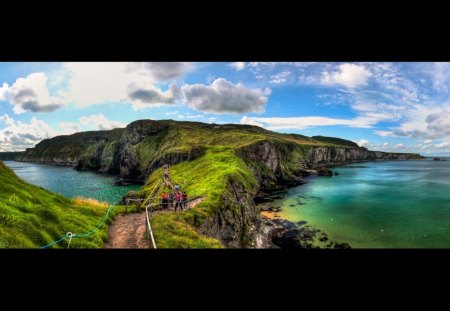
x: 178, y: 201
x: 184, y: 199
x: 171, y: 199
x: 177, y: 188
x: 164, y: 200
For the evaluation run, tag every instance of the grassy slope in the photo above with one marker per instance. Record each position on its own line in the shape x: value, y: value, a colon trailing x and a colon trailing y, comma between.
x: 209, y: 174
x: 31, y: 216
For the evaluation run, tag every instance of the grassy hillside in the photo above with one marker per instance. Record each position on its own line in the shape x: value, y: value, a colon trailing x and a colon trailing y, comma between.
x: 31, y: 216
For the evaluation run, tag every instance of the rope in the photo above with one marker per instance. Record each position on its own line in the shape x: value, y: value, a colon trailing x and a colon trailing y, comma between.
x: 70, y: 235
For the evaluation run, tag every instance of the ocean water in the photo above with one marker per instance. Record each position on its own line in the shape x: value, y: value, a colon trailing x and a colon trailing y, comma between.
x: 71, y: 183
x: 381, y: 204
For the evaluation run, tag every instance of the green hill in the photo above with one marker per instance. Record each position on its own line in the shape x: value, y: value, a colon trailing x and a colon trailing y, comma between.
x: 31, y: 217
x: 228, y: 165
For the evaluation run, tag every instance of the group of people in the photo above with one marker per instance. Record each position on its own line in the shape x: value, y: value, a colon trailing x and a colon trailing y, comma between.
x: 175, y: 199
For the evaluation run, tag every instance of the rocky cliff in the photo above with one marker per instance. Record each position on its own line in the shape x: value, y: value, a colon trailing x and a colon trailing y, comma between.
x: 238, y: 164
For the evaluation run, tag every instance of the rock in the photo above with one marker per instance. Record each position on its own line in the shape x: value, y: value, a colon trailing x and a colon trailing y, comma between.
x: 436, y: 159
x: 342, y: 246
x: 323, y: 239
x: 302, y: 222
x: 324, y: 171
x: 336, y: 173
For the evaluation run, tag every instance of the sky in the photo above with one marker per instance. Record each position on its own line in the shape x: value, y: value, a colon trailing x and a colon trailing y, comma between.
x: 398, y: 107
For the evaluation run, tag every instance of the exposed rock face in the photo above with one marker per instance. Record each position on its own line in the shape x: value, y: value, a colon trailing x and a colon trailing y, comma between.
x: 119, y: 151
x: 339, y: 155
x: 135, y: 152
x: 237, y: 223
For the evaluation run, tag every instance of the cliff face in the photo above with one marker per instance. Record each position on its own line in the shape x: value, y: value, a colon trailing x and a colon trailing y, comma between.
x: 236, y: 163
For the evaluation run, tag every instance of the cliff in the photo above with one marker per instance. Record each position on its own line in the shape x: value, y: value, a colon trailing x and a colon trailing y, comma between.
x: 229, y: 165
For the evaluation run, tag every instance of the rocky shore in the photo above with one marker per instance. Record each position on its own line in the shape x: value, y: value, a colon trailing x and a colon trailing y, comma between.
x: 284, y: 234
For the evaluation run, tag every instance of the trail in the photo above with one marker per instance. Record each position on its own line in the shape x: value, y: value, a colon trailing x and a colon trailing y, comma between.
x: 128, y: 231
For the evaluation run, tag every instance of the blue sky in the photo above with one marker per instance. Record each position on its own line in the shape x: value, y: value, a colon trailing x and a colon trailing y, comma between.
x: 402, y: 107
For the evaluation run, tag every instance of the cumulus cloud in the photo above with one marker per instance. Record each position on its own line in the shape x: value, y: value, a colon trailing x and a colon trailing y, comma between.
x: 363, y: 143
x: 164, y: 71
x: 100, y: 122
x: 222, y: 96
x: 348, y: 75
x: 30, y: 94
x: 304, y: 122
x: 144, y: 95
x: 96, y: 83
x: 438, y: 124
x: 237, y: 65
x: 427, y: 141
x: 19, y: 135
x: 68, y: 128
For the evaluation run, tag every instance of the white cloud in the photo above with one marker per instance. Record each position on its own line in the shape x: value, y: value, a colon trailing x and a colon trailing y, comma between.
x: 100, y: 122
x: 280, y: 77
x: 17, y: 135
x: 30, y: 94
x: 442, y: 145
x: 146, y: 95
x: 95, y: 83
x: 441, y: 76
x: 304, y: 122
x: 195, y: 116
x: 223, y: 96
x: 171, y: 113
x: 400, y: 146
x: 3, y: 90
x: 385, y: 145
x: 385, y: 133
x: 162, y: 71
x: 237, y: 65
x: 363, y: 143
x: 348, y: 75
x: 427, y: 141
x: 68, y: 128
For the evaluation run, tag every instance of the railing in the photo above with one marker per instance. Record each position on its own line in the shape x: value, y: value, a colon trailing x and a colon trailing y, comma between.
x: 149, y: 227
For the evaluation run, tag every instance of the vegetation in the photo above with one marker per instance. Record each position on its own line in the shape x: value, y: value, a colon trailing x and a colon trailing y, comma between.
x: 31, y: 216
x: 10, y: 156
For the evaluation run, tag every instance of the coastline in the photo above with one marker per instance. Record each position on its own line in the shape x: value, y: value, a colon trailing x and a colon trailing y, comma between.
x: 283, y: 233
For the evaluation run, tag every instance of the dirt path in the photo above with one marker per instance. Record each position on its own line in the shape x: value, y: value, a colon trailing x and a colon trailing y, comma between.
x: 128, y: 231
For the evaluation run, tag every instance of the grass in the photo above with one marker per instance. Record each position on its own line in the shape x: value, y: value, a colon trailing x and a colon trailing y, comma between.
x: 208, y: 176
x: 172, y: 231
x: 31, y: 216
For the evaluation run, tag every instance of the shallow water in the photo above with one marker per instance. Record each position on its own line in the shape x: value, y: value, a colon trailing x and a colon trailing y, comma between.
x: 392, y: 204
x: 71, y: 183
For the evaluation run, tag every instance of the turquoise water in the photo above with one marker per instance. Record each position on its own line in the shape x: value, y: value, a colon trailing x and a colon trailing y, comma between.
x: 378, y: 204
x: 71, y: 183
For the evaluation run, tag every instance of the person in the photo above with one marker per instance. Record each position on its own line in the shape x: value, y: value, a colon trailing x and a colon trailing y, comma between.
x: 184, y: 199
x: 178, y: 200
x: 177, y: 188
x: 171, y: 199
x: 164, y: 200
